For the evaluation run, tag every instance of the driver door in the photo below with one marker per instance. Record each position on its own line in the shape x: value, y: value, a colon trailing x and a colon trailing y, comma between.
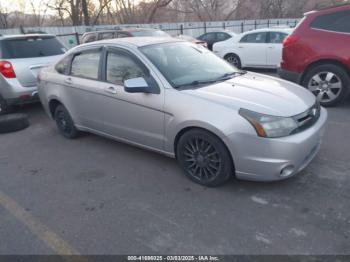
x: 134, y: 117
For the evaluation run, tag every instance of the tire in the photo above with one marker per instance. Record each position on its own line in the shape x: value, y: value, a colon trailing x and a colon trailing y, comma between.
x: 13, y: 122
x: 329, y: 83
x: 204, y: 158
x: 65, y: 123
x: 4, y: 108
x: 234, y: 60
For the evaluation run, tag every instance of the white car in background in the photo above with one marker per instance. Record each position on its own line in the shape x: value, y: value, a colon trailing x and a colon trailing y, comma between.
x: 261, y: 48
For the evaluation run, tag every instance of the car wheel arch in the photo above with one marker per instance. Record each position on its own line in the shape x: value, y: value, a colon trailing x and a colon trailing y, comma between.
x: 53, y: 103
x: 186, y: 129
x: 322, y: 62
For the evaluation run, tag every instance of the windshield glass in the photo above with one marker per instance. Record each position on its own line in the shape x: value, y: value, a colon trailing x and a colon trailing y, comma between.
x: 186, y: 64
x: 155, y: 33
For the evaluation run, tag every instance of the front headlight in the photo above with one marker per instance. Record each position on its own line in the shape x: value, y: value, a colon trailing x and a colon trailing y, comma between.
x: 269, y: 126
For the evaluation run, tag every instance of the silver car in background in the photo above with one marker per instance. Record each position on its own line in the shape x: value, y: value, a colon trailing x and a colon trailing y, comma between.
x: 179, y: 99
x: 21, y: 58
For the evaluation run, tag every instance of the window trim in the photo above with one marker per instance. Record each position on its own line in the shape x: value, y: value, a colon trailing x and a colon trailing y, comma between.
x: 90, y: 50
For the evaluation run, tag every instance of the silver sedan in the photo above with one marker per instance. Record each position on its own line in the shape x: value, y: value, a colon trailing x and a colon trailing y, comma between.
x: 180, y: 100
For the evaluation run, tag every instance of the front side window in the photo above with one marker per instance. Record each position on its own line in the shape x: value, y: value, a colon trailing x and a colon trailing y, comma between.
x: 185, y: 64
x: 86, y: 64
x: 120, y: 67
x: 336, y: 22
x: 255, y: 38
x: 277, y: 37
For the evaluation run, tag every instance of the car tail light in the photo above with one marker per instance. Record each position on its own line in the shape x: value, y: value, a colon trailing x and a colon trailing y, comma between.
x: 292, y: 39
x: 6, y: 69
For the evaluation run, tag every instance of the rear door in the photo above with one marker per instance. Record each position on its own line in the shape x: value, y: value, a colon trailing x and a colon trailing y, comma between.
x: 29, y: 54
x: 252, y: 49
x: 83, y: 87
x: 274, y: 49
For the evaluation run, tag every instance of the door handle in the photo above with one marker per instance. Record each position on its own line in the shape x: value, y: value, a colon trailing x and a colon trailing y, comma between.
x: 111, y: 90
x: 271, y: 47
x: 68, y: 81
x: 240, y: 47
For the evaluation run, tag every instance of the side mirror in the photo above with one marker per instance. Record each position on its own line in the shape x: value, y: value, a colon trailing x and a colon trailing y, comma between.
x: 136, y: 85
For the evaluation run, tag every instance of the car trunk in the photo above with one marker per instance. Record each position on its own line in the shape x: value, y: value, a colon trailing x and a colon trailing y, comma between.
x: 27, y: 69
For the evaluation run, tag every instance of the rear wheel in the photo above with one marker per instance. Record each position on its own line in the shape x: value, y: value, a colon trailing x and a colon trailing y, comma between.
x: 65, y: 123
x: 204, y: 158
x: 234, y: 60
x: 329, y: 83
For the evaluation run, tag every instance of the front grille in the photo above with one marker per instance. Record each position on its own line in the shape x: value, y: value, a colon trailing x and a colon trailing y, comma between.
x: 307, y: 119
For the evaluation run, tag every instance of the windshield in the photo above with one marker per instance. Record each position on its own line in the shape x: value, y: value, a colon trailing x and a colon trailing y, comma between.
x: 27, y: 47
x: 187, y: 64
x: 156, y: 33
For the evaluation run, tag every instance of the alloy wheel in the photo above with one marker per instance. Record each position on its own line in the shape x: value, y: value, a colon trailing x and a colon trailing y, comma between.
x: 203, y: 161
x: 63, y: 122
x: 326, y: 86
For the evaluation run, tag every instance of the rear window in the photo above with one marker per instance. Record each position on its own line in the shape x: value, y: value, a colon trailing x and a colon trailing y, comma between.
x: 337, y: 22
x: 31, y: 47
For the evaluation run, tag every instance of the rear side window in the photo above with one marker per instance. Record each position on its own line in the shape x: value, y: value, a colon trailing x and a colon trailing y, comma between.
x: 107, y: 35
x: 31, y: 47
x: 336, y: 22
x: 277, y: 38
x: 62, y: 66
x: 222, y: 36
x: 86, y: 64
x: 256, y: 38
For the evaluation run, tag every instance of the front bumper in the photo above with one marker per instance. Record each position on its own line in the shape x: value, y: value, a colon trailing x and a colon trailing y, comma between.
x: 289, y: 75
x: 264, y: 159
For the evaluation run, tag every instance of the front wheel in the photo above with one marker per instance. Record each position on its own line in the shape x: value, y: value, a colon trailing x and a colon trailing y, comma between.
x: 329, y: 83
x: 204, y: 158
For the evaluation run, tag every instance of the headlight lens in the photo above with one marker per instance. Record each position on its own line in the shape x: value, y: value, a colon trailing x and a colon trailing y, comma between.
x: 269, y: 126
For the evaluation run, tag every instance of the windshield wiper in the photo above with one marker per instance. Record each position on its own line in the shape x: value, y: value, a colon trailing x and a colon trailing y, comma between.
x: 196, y: 83
x: 228, y: 76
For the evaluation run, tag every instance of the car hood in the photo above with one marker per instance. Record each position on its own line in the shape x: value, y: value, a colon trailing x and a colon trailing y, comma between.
x: 259, y: 93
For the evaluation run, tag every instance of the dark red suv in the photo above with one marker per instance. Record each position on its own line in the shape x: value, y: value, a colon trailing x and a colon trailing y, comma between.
x: 317, y: 54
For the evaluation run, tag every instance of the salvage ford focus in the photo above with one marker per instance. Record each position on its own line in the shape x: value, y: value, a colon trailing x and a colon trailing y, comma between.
x: 179, y: 99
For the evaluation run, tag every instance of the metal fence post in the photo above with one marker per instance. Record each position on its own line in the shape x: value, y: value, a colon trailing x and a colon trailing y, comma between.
x: 77, y: 38
x: 242, y: 27
x: 255, y: 24
x: 268, y: 23
x: 205, y: 27
x: 181, y: 29
x: 224, y: 25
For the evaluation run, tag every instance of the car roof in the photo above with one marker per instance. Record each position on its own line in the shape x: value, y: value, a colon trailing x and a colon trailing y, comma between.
x: 4, y: 37
x: 135, y: 41
x: 271, y: 29
x: 123, y: 30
